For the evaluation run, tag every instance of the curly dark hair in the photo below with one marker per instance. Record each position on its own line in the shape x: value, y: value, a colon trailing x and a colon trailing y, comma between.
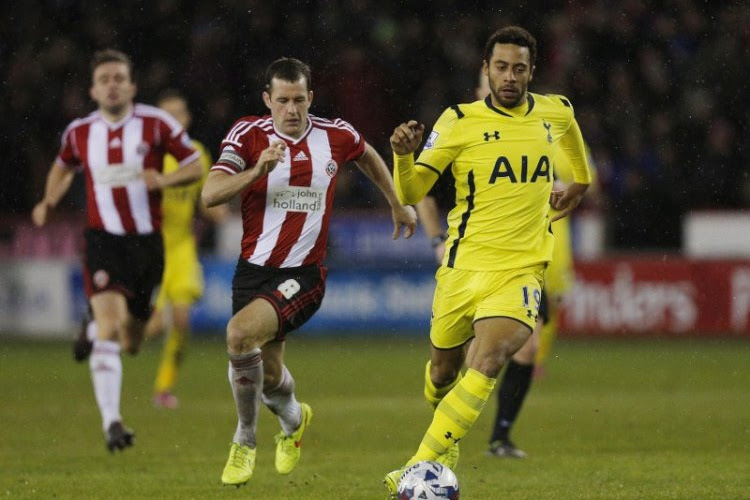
x: 511, y: 34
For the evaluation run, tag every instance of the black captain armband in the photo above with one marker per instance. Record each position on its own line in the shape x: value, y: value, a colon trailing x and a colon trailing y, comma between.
x: 436, y: 240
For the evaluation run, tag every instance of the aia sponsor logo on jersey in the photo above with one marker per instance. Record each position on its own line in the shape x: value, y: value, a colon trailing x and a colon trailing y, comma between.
x: 101, y: 278
x: 331, y: 168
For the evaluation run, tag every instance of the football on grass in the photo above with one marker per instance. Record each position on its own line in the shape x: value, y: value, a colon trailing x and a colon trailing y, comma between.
x: 428, y: 480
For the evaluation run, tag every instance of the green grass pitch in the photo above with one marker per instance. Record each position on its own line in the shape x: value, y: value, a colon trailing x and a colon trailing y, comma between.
x: 647, y: 419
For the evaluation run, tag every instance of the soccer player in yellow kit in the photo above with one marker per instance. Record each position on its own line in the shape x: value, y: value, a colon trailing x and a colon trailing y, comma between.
x: 527, y: 362
x: 182, y: 282
x: 501, y: 151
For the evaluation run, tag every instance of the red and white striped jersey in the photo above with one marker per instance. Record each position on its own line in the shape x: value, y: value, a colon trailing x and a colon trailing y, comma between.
x: 286, y: 214
x: 113, y: 157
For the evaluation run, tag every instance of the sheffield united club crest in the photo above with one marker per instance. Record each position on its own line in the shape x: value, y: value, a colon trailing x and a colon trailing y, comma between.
x: 100, y: 279
x: 331, y: 168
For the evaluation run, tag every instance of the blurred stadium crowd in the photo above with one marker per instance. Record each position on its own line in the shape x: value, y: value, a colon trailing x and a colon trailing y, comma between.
x: 659, y: 87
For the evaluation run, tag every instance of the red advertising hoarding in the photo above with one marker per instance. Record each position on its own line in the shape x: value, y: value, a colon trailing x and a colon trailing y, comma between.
x: 669, y: 296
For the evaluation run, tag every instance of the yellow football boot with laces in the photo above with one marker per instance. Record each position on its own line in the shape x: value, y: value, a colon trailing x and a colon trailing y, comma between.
x: 240, y: 465
x: 288, y: 448
x: 391, y: 481
x: 450, y: 457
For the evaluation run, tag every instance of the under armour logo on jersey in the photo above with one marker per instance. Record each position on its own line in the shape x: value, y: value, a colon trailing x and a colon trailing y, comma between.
x: 301, y: 156
x: 115, y: 143
x: 495, y: 134
x: 548, y: 126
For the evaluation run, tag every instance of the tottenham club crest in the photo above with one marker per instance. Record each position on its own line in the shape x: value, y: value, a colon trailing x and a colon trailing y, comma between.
x: 331, y: 168
x: 548, y: 126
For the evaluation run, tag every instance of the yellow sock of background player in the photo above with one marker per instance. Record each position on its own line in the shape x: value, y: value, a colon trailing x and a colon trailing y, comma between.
x: 432, y: 394
x: 546, y: 339
x: 455, y: 415
x: 171, y: 358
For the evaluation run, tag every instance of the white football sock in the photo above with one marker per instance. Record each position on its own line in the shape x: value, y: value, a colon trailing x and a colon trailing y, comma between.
x: 91, y: 330
x: 281, y: 401
x: 106, y: 375
x: 246, y: 380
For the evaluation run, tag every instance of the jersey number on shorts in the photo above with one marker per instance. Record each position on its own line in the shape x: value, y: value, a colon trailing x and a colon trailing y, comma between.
x: 289, y: 288
x: 526, y: 295
x: 537, y: 301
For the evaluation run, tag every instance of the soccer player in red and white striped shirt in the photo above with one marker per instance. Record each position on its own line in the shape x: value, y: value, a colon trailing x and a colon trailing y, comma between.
x: 284, y: 166
x: 120, y: 148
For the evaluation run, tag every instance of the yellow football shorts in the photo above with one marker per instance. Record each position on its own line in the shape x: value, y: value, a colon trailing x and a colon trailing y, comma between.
x: 182, y: 282
x: 463, y: 297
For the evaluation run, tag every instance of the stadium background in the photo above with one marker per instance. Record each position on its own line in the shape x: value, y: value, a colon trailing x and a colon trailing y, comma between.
x: 659, y: 91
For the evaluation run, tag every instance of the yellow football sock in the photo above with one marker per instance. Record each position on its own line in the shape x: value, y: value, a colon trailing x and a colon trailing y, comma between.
x: 171, y: 357
x: 455, y: 415
x: 546, y: 339
x: 432, y: 394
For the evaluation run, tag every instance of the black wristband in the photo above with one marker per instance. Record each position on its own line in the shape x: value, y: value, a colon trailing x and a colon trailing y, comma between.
x: 436, y: 240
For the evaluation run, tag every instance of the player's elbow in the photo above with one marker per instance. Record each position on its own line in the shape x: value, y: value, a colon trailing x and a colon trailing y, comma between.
x: 407, y: 200
x: 192, y: 172
x: 209, y: 198
x: 195, y: 175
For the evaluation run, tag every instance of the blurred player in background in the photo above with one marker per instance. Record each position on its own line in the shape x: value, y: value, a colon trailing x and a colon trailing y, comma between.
x: 120, y: 147
x: 489, y: 286
x: 284, y: 167
x: 560, y: 274
x: 182, y: 284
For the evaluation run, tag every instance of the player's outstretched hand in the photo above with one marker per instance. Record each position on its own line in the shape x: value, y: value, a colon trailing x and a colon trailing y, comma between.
x: 407, y: 137
x: 406, y: 217
x: 270, y: 157
x: 40, y: 213
x: 567, y: 200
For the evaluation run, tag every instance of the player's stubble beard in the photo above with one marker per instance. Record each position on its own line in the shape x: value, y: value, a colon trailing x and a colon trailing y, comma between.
x: 508, y: 104
x: 117, y: 109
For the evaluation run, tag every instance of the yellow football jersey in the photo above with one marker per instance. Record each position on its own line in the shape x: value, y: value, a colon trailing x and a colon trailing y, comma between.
x: 179, y: 202
x: 502, y: 162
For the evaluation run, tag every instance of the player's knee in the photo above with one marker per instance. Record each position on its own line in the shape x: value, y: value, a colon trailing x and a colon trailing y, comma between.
x: 131, y: 341
x: 113, y: 329
x: 491, y: 361
x: 131, y: 347
x: 240, y: 337
x: 443, y: 374
x: 523, y: 358
x: 526, y: 354
x: 270, y: 380
x: 182, y: 320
